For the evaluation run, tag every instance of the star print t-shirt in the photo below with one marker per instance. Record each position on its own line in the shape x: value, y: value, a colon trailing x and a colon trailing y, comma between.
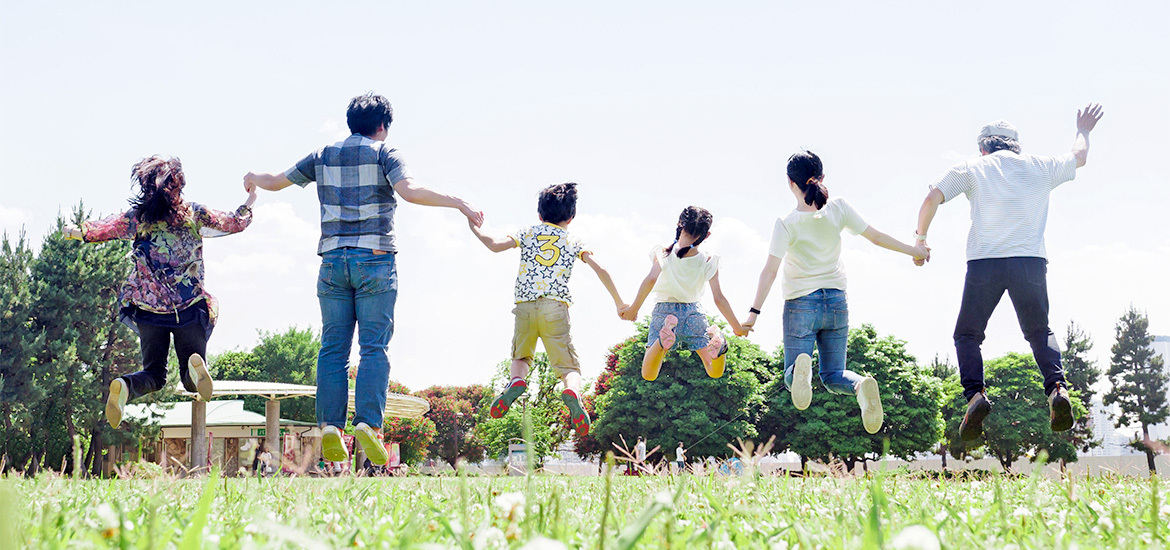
x: 547, y: 253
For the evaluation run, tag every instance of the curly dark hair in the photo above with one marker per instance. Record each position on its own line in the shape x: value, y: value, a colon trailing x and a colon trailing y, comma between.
x: 558, y: 203
x: 991, y: 144
x: 160, y: 190
x: 807, y: 172
x: 696, y: 221
x: 367, y: 112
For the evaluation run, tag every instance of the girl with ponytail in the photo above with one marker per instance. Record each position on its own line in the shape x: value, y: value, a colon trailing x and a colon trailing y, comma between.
x: 676, y: 277
x: 163, y: 295
x: 807, y: 241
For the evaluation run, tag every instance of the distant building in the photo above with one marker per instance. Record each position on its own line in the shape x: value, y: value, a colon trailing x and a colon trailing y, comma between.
x: 1162, y: 347
x: 1114, y: 441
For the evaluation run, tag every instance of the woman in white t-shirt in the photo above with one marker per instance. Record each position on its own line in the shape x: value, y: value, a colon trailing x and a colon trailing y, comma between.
x: 808, y: 243
x: 676, y: 277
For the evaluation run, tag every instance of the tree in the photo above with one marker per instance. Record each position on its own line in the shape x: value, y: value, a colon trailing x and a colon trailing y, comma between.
x: 543, y: 401
x: 683, y: 404
x: 18, y: 341
x: 453, y: 412
x: 289, y: 357
x: 831, y: 426
x: 1082, y: 373
x: 1019, y: 421
x: 413, y: 435
x: 588, y: 445
x: 1139, y: 380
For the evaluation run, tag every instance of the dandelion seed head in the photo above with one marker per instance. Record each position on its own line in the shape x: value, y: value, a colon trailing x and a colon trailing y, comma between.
x: 915, y: 537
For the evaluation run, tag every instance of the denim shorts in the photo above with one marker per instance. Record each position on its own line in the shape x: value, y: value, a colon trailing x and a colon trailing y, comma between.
x: 691, y: 330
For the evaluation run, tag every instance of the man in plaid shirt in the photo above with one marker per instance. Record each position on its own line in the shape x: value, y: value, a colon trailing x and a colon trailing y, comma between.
x: 357, y: 180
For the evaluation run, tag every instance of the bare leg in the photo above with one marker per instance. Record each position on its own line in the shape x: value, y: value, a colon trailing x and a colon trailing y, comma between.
x: 652, y: 362
x: 572, y: 381
x: 519, y: 369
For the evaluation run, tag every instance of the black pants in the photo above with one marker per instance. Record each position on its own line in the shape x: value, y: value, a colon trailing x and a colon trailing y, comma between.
x: 156, y: 346
x: 1026, y: 281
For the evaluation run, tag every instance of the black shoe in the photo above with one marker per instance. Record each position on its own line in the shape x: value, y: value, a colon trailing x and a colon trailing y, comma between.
x: 977, y: 409
x: 1060, y: 409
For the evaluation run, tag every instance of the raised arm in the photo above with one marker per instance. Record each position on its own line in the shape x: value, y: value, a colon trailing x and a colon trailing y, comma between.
x: 216, y: 223
x: 267, y: 182
x: 631, y: 313
x: 767, y: 277
x: 495, y: 244
x: 417, y: 194
x: 606, y: 280
x: 919, y: 253
x: 724, y: 306
x: 925, y: 216
x: 117, y: 226
x: 1086, y: 121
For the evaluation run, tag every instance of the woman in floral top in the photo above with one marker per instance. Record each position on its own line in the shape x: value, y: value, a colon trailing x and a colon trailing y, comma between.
x: 163, y: 294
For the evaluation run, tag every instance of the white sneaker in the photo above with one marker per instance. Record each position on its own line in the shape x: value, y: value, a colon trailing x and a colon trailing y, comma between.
x: 871, y: 404
x: 371, y: 441
x: 116, y: 403
x: 802, y: 382
x: 199, y: 375
x: 332, y: 446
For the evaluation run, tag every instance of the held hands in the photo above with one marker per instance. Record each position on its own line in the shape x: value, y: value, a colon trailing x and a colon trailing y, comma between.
x: 474, y: 217
x: 251, y: 181
x: 747, y: 325
x: 71, y: 232
x: 1088, y: 117
x: 627, y: 313
x: 251, y: 198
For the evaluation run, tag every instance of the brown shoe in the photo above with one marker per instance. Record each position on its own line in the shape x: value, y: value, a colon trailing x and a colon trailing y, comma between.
x: 977, y: 409
x: 1060, y: 409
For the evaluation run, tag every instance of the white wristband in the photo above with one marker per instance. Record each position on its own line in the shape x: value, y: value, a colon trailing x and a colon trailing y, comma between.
x: 918, y: 237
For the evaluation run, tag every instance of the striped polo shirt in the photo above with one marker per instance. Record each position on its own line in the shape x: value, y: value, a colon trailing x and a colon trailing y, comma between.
x: 1008, y: 193
x: 355, y: 184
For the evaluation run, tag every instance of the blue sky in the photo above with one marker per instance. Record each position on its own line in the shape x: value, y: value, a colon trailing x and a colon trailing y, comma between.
x: 650, y: 106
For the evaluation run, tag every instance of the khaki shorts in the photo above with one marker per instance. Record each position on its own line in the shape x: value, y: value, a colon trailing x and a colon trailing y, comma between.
x: 549, y: 320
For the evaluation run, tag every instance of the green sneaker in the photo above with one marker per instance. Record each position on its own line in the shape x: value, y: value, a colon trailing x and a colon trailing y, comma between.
x: 371, y: 441
x: 332, y: 446
x: 577, y: 415
x: 501, y: 403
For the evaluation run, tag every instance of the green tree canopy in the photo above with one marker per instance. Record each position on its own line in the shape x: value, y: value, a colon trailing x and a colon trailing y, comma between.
x: 453, y: 410
x: 543, y: 400
x: 1139, y: 379
x: 289, y: 357
x: 413, y: 435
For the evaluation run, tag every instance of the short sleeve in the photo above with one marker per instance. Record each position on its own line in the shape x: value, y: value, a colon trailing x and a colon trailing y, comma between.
x: 851, y: 219
x: 655, y: 252
x: 580, y: 247
x: 711, y: 267
x: 305, y: 170
x: 779, y: 246
x: 520, y: 235
x: 1062, y: 168
x: 393, y: 166
x: 955, y: 182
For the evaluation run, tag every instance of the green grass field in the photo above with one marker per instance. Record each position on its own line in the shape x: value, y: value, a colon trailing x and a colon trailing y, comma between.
x: 559, y: 512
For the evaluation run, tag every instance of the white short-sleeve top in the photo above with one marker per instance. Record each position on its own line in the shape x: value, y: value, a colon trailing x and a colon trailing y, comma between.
x: 810, y: 244
x: 682, y: 279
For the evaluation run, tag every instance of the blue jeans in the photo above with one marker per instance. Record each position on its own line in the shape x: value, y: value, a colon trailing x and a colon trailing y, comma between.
x: 355, y: 287
x: 1025, y: 279
x: 820, y: 318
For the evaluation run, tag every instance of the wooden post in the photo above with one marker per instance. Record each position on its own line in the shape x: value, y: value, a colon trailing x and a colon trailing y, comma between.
x: 198, y: 457
x: 272, y: 432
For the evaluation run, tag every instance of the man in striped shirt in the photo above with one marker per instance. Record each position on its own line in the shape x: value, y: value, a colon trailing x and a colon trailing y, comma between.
x: 1008, y: 192
x: 357, y: 180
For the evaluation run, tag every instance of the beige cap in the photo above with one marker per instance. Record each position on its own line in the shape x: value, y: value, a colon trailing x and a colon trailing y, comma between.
x: 1000, y: 128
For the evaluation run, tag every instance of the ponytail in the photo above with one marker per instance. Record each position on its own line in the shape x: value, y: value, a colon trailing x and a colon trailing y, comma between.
x: 696, y: 222
x: 806, y: 171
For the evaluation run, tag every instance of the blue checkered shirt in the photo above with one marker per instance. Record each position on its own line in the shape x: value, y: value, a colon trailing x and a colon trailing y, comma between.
x: 355, y: 183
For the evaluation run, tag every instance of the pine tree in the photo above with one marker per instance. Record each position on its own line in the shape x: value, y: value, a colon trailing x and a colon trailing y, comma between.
x: 1139, y: 380
x: 17, y: 341
x: 1082, y: 373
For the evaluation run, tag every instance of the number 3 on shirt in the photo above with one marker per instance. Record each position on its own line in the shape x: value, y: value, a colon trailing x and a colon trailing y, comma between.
x: 550, y: 245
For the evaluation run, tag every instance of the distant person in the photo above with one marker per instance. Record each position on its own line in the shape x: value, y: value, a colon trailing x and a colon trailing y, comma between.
x: 640, y: 450
x: 547, y: 254
x: 164, y: 296
x: 807, y: 242
x: 358, y: 179
x: 680, y: 457
x: 1008, y: 192
x: 678, y: 273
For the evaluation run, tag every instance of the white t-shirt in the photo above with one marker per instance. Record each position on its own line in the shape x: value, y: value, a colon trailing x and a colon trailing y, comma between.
x: 1009, y: 200
x: 810, y: 243
x: 682, y: 279
x: 547, y: 253
x: 680, y: 455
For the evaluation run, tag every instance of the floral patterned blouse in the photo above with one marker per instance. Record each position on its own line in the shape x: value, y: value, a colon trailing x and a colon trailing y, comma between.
x: 167, y: 276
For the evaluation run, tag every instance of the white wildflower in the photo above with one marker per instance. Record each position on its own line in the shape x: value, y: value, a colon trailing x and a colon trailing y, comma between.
x: 664, y: 498
x: 1096, y: 506
x: 1105, y: 523
x: 725, y: 545
x: 939, y: 517
x: 492, y: 537
x: 330, y: 517
x: 779, y: 545
x: 1021, y: 512
x: 106, y: 516
x: 541, y: 543
x: 915, y: 537
x: 510, y: 506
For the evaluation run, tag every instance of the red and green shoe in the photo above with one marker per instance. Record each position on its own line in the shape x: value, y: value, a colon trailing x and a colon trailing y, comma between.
x: 577, y: 415
x: 501, y: 404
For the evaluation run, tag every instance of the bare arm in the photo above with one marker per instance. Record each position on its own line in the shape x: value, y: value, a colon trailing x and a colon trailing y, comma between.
x: 883, y: 240
x: 417, y: 194
x: 925, y: 216
x: 1086, y: 121
x: 495, y: 244
x: 267, y: 182
x: 606, y: 280
x: 631, y: 313
x: 767, y: 277
x: 723, y: 305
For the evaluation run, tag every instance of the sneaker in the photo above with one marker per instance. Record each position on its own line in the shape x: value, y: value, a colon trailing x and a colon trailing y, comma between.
x: 577, y: 415
x: 871, y: 404
x: 977, y: 409
x: 716, y: 351
x: 1060, y: 409
x: 802, y: 382
x: 666, y: 336
x: 332, y: 446
x: 500, y: 404
x: 199, y: 376
x: 371, y: 441
x: 116, y: 403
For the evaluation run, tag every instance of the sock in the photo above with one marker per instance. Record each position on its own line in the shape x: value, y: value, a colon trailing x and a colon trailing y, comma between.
x: 514, y: 380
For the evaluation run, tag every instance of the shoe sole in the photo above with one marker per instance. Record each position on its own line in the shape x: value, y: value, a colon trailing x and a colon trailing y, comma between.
x: 115, y: 404
x: 375, y: 451
x: 972, y: 426
x: 332, y: 448
x: 666, y: 337
x: 577, y: 415
x: 802, y: 382
x: 1062, y: 419
x: 872, y: 416
x: 502, y: 403
x: 716, y: 350
x: 204, y: 385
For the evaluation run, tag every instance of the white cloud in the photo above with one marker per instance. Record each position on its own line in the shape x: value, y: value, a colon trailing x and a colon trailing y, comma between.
x: 334, y: 129
x: 12, y: 219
